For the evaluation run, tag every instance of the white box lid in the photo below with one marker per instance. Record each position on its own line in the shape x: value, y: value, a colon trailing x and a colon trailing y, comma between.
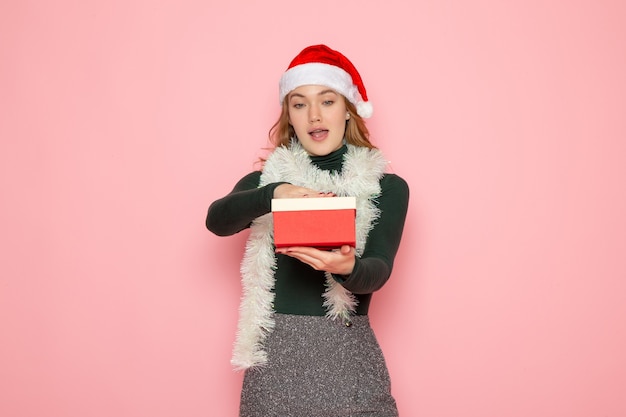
x: 313, y: 203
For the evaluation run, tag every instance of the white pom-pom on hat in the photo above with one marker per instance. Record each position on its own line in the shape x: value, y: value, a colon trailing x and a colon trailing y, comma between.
x: 320, y: 65
x: 365, y: 109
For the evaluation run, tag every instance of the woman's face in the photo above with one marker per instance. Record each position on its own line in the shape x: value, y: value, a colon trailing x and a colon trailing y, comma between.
x: 318, y: 115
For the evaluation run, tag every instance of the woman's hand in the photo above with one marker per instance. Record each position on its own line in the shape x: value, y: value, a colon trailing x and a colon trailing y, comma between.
x: 338, y: 261
x: 293, y: 191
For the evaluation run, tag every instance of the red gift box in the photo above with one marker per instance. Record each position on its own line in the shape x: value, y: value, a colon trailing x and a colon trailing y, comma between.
x: 323, y: 223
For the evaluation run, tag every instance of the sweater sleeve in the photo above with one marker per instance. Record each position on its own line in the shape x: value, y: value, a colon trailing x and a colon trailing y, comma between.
x: 372, y: 270
x: 236, y: 211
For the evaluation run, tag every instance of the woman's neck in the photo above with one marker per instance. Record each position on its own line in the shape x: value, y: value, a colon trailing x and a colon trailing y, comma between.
x: 331, y: 162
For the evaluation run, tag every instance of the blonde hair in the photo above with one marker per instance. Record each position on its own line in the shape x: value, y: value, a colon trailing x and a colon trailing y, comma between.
x: 356, y: 132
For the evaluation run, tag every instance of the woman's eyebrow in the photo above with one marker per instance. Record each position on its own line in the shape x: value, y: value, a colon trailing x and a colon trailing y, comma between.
x: 321, y: 93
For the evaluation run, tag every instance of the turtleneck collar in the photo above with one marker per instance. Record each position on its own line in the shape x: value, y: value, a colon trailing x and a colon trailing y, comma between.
x: 331, y: 162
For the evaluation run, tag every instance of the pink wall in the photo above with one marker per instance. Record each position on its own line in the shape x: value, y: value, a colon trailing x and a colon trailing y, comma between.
x: 120, y: 121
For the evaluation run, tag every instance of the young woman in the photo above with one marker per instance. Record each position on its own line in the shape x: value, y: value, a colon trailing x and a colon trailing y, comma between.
x: 304, y: 338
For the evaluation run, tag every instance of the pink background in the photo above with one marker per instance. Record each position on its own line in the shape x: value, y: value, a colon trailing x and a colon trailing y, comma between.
x: 122, y: 120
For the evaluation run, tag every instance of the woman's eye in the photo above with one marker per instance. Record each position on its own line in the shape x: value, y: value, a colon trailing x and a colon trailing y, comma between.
x: 298, y: 105
x: 328, y: 102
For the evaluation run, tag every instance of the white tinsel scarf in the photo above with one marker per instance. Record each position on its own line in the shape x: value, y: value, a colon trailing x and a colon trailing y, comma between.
x: 360, y: 178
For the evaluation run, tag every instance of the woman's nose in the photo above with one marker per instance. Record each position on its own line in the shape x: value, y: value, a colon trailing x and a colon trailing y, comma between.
x: 314, y: 114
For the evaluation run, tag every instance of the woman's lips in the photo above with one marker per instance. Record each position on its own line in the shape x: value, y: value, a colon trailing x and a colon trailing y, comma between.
x: 318, y: 134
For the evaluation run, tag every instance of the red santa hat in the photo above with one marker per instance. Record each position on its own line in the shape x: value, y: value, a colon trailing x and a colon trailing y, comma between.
x: 320, y: 65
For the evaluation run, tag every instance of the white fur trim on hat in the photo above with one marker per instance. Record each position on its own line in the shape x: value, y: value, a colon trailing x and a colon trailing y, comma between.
x: 316, y: 73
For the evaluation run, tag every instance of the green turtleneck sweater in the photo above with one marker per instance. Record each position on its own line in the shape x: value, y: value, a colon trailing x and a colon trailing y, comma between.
x: 299, y: 287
